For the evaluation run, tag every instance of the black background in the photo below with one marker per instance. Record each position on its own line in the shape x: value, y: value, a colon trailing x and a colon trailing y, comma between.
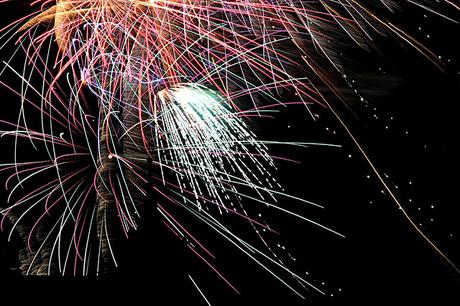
x: 382, y: 258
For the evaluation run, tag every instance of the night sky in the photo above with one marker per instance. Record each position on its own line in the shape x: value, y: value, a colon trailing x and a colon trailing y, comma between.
x: 407, y: 124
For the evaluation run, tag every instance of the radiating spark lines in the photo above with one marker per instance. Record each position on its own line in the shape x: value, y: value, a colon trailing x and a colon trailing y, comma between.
x: 155, y: 97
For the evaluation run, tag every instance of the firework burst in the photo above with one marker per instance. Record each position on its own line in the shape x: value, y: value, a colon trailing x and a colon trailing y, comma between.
x: 154, y: 97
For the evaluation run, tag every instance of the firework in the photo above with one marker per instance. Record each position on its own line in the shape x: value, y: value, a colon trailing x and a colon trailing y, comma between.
x: 152, y: 97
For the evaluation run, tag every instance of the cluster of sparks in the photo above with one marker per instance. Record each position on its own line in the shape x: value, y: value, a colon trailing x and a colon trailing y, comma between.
x: 174, y: 83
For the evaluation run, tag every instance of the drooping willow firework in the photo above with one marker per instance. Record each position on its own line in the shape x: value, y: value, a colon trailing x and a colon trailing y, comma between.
x: 170, y: 79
